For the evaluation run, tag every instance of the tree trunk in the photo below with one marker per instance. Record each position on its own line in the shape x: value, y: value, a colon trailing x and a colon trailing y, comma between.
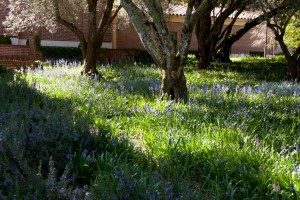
x: 225, y: 53
x: 292, y: 69
x: 205, y: 60
x: 202, y: 31
x: 89, y: 60
x: 174, y: 82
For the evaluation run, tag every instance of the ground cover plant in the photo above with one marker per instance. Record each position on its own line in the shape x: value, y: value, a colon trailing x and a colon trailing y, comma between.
x: 64, y: 136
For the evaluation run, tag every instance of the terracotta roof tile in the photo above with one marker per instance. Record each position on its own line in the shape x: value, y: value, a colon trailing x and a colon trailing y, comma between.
x: 180, y: 10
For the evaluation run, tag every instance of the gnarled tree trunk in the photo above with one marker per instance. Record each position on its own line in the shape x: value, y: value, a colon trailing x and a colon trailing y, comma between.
x: 205, y: 59
x: 225, y: 54
x: 174, y: 82
x: 149, y: 20
x: 202, y: 31
x: 89, y: 59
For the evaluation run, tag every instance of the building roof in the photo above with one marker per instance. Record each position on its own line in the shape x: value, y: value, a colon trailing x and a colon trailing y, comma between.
x: 180, y: 10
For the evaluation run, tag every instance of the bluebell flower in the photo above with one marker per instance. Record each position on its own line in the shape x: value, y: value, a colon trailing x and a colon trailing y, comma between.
x: 296, y: 145
x: 283, y: 150
x: 69, y: 156
x: 292, y: 187
x: 115, y: 141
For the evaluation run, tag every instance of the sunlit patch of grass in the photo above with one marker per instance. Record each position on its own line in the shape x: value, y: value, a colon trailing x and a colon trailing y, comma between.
x: 237, y: 134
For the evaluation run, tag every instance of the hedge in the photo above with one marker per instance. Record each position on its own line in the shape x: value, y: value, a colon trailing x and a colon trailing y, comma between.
x: 61, y: 52
x: 256, y: 53
x: 5, y: 39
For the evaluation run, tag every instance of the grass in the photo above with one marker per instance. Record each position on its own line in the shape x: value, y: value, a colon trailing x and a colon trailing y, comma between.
x: 64, y: 136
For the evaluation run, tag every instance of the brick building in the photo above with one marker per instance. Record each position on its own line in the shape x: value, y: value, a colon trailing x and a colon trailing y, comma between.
x: 127, y: 38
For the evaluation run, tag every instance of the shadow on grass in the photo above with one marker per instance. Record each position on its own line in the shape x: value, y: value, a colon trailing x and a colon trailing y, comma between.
x: 47, y: 149
x: 257, y: 69
x: 50, y: 151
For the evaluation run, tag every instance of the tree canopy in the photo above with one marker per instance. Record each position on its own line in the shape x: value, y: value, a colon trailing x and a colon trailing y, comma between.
x: 292, y: 34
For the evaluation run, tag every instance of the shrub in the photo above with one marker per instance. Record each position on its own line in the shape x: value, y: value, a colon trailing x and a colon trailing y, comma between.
x: 37, y: 42
x: 61, y: 52
x: 256, y: 53
x: 195, y: 53
x: 5, y: 39
x: 142, y: 56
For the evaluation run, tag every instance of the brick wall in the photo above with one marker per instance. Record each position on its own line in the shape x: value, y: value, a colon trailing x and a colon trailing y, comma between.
x: 16, y: 64
x: 16, y: 56
x: 127, y: 38
x: 19, y: 52
x: 119, y: 55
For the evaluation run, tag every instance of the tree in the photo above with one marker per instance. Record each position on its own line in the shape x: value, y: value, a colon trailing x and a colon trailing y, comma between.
x: 149, y: 20
x: 292, y: 33
x: 290, y: 45
x: 230, y: 38
x: 31, y: 15
x: 209, y: 33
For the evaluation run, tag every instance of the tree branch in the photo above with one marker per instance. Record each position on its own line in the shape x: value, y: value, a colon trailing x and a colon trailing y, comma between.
x: 107, y: 19
x: 67, y: 24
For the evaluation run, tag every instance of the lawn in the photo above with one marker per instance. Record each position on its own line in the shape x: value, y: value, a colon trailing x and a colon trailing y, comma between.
x: 64, y: 136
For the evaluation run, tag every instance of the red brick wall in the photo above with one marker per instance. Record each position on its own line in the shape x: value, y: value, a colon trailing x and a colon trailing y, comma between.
x: 16, y: 64
x: 127, y: 38
x: 64, y: 34
x: 19, y: 52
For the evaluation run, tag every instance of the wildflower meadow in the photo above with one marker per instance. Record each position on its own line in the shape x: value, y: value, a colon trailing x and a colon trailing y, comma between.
x: 66, y: 136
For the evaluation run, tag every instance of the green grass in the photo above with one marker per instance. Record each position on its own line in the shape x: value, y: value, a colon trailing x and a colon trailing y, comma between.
x: 64, y: 136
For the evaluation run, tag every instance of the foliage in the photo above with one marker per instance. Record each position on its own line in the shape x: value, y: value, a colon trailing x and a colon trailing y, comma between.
x: 64, y: 136
x: 292, y: 36
x: 61, y: 52
x: 5, y: 39
x: 37, y: 42
x: 141, y: 56
x: 256, y: 53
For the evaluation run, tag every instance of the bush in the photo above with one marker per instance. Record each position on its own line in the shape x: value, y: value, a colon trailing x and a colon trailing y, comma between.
x: 37, y: 42
x: 195, y: 53
x: 61, y: 52
x: 142, y: 56
x: 5, y: 39
x: 256, y: 53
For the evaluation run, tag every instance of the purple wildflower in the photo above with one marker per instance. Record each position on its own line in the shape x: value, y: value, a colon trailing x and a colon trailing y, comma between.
x: 296, y: 145
x: 283, y: 150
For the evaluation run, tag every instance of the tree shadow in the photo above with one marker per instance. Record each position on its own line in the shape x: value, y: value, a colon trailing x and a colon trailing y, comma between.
x: 47, y: 148
x: 256, y: 69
